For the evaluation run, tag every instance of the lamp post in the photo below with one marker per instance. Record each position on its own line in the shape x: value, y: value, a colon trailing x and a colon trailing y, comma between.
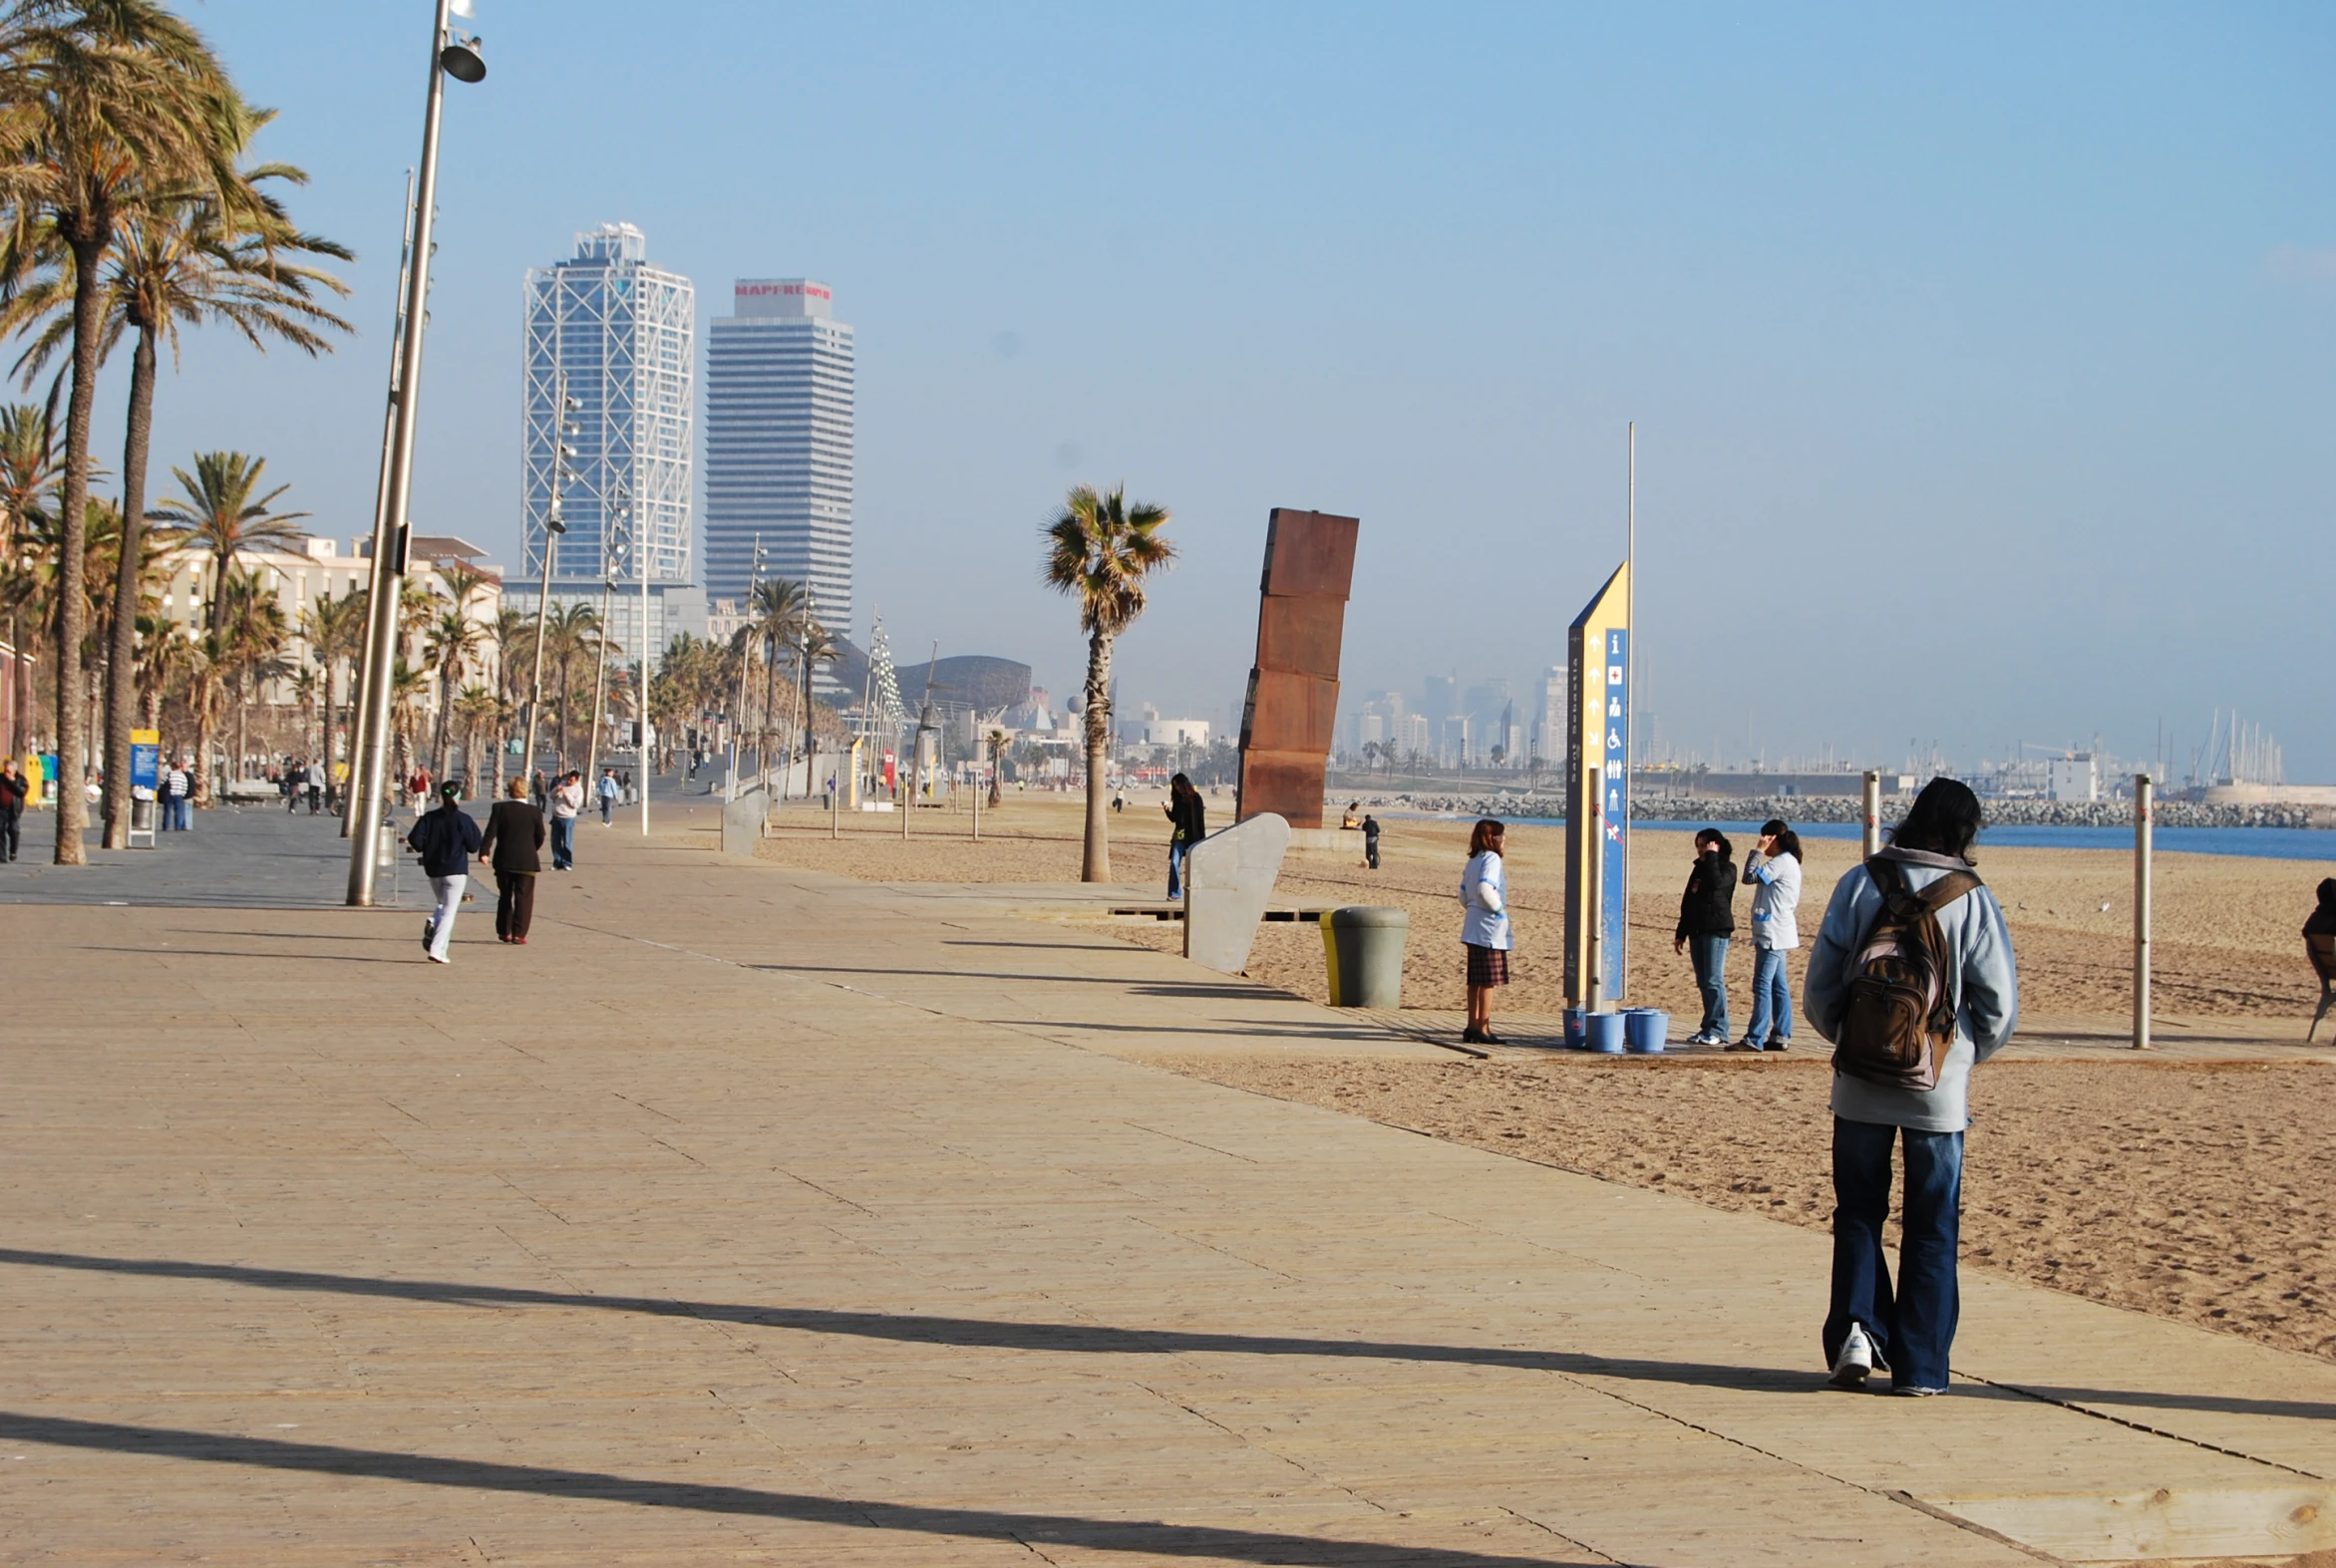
x: 459, y: 58
x: 641, y: 699
x: 553, y: 526
x: 611, y: 560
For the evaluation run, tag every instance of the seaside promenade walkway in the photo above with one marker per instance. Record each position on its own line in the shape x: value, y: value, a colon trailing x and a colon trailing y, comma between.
x: 753, y: 1216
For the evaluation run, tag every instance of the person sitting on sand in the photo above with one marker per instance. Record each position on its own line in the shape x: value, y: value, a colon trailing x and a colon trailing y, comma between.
x: 1353, y: 820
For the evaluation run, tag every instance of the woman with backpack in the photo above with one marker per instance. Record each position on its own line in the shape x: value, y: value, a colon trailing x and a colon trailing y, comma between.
x: 1773, y: 867
x: 1912, y: 979
x: 1484, y: 927
x: 1707, y: 920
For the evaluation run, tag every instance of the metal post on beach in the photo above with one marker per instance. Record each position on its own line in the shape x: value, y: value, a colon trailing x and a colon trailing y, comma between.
x: 1593, y: 989
x: 2144, y: 832
x: 1871, y: 836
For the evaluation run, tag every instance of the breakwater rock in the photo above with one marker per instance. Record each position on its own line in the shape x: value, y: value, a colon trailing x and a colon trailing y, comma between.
x: 1522, y: 805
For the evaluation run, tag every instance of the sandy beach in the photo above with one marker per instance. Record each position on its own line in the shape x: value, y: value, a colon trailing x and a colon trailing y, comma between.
x: 2192, y: 1189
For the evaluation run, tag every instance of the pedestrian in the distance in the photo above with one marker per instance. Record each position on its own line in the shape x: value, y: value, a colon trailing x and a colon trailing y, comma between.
x: 178, y: 798
x: 1187, y: 816
x: 1707, y: 920
x: 1774, y: 868
x: 13, y: 793
x: 1911, y: 925
x: 606, y: 790
x: 513, y: 845
x: 568, y: 799
x: 313, y: 781
x: 445, y: 838
x: 1483, y: 926
x: 1370, y: 840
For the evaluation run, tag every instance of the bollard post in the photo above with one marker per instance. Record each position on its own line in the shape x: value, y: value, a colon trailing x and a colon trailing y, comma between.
x: 1871, y: 837
x: 977, y: 789
x: 2143, y: 835
x: 1593, y: 987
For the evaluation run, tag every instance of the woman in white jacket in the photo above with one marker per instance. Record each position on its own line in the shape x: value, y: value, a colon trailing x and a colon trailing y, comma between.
x: 1483, y: 900
x: 1774, y: 869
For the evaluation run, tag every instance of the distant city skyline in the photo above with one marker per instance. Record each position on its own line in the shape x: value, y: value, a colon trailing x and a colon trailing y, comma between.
x: 2016, y: 324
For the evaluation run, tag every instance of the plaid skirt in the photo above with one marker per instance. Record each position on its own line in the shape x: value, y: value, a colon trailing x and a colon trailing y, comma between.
x: 1488, y: 966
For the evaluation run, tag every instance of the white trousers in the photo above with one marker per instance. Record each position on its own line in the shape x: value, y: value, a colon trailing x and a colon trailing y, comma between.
x: 450, y: 903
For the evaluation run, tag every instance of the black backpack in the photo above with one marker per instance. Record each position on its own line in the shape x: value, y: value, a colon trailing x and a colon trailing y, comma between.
x: 1900, y: 1020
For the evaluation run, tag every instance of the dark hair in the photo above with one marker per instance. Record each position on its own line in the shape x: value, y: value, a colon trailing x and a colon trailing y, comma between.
x: 2328, y: 890
x: 1487, y: 834
x: 1944, y: 819
x: 1788, y: 841
x: 1718, y: 840
x: 1178, y: 781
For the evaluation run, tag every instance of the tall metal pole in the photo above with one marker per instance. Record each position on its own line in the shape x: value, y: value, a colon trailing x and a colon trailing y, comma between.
x: 553, y: 526
x: 389, y: 566
x: 352, y: 807
x: 1870, y: 837
x: 641, y: 707
x: 2144, y: 832
x: 811, y: 749
x: 1635, y: 668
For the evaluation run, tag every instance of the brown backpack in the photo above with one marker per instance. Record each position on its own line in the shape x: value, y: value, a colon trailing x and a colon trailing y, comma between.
x: 1900, y: 1020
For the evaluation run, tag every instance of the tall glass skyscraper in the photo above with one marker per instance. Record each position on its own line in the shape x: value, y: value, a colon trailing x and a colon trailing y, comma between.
x: 622, y: 334
x: 779, y: 443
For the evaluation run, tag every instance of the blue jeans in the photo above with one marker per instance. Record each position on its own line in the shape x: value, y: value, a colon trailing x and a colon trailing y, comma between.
x: 180, y: 813
x: 1176, y: 871
x: 1912, y: 1329
x: 1710, y: 954
x: 563, y: 842
x: 1772, y: 997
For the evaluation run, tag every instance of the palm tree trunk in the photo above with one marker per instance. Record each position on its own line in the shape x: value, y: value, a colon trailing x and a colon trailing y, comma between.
x: 242, y: 729
x: 205, y: 733
x: 122, y: 669
x: 1096, y: 867
x: 89, y: 251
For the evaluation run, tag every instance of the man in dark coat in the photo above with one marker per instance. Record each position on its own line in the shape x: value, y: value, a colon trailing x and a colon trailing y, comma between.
x: 513, y: 847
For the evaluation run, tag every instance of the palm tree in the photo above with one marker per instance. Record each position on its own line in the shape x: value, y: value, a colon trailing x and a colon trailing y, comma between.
x: 28, y: 477
x: 107, y: 99
x: 450, y: 640
x: 206, y: 681
x: 218, y: 513
x: 332, y: 629
x: 570, y: 637
x: 997, y: 740
x: 182, y: 260
x: 252, y: 639
x: 478, y: 708
x: 1100, y: 548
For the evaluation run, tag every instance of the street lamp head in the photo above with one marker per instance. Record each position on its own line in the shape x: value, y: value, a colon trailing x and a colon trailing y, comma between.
x: 554, y: 524
x: 464, y: 61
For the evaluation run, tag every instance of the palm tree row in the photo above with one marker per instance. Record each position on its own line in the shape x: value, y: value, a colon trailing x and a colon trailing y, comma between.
x: 127, y: 206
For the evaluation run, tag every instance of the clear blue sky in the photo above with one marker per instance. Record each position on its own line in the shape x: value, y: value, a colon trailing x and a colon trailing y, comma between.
x: 1981, y: 355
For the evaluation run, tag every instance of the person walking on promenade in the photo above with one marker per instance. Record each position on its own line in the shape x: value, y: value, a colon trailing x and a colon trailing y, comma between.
x: 445, y: 838
x: 1774, y: 867
x: 1484, y: 927
x: 607, y: 792
x: 1371, y: 842
x: 13, y: 793
x: 513, y: 845
x: 568, y: 799
x: 313, y: 780
x: 178, y: 792
x: 1706, y: 919
x: 1187, y: 816
x: 1911, y: 929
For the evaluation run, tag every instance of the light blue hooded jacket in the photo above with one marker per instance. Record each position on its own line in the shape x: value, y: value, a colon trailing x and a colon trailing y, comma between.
x: 1983, y: 979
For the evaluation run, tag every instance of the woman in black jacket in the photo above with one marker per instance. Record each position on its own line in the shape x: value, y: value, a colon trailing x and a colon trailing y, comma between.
x: 1187, y: 816
x: 1706, y: 919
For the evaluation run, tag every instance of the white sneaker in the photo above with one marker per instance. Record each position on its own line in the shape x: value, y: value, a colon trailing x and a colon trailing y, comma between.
x: 437, y: 958
x: 1851, y: 1366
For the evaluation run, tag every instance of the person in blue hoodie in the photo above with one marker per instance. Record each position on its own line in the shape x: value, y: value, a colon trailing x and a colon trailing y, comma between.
x: 1870, y: 1326
x: 445, y: 838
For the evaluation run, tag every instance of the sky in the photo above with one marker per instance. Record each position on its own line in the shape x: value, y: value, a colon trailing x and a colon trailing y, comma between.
x: 1980, y: 355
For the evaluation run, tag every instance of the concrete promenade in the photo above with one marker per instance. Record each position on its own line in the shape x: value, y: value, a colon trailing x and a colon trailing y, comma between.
x: 752, y: 1216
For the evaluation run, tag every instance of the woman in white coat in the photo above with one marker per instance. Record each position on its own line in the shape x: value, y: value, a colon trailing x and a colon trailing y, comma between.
x: 1483, y: 899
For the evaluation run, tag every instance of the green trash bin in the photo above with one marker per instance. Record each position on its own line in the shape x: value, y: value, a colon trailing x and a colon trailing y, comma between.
x: 1363, y: 945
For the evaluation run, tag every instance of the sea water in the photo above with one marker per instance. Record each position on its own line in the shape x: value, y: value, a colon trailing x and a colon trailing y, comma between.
x: 2266, y: 844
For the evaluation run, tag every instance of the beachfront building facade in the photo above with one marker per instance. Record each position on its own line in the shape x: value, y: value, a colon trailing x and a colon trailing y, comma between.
x: 780, y: 387
x: 619, y: 334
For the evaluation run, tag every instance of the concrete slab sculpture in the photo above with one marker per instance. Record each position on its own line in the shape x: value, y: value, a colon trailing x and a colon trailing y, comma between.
x: 1292, y: 707
x: 742, y: 820
x: 1228, y: 877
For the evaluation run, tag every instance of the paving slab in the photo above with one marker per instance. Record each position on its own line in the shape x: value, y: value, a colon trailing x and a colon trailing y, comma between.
x: 751, y: 1214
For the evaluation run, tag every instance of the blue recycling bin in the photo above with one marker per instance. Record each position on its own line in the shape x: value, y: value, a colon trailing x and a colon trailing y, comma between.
x: 1644, y: 1029
x: 1603, y: 1032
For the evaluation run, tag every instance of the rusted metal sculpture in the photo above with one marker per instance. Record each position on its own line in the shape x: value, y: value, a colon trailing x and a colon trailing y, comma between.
x: 1292, y: 707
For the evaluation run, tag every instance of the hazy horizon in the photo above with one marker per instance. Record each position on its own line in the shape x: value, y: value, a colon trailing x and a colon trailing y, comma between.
x: 1980, y: 358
